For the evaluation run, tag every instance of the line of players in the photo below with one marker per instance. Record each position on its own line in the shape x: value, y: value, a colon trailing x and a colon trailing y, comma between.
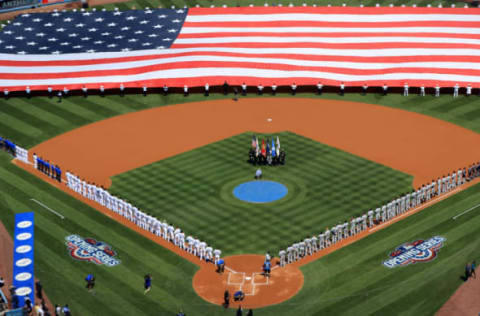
x: 382, y: 214
x: 147, y: 222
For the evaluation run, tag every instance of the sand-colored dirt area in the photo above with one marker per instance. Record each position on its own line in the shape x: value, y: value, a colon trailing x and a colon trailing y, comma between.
x: 416, y: 144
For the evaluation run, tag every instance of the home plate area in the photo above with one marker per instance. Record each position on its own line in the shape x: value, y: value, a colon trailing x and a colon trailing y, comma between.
x: 246, y: 282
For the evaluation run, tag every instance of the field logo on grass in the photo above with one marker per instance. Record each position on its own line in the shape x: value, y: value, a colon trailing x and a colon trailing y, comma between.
x: 416, y: 251
x: 91, y: 250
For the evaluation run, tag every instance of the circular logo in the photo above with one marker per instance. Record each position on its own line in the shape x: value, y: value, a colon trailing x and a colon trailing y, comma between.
x: 24, y: 236
x: 24, y: 224
x: 22, y: 291
x: 23, y: 249
x: 24, y: 276
x: 23, y: 262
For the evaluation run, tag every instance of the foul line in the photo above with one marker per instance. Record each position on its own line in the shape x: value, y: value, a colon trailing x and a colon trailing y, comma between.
x: 56, y: 213
x: 465, y: 212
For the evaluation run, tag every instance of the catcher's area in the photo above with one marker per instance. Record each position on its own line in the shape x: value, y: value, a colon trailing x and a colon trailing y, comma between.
x: 416, y: 144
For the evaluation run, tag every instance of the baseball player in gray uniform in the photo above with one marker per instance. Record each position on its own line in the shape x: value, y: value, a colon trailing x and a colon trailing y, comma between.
x: 352, y: 227
x: 327, y: 238
x: 378, y: 214
x: 384, y: 213
x: 364, y: 222
x: 308, y: 243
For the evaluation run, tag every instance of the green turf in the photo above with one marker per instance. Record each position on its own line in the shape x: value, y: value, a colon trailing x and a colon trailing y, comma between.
x: 194, y: 191
x: 351, y: 281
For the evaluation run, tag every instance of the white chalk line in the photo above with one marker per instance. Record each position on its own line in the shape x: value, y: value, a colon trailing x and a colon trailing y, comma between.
x: 54, y: 212
x: 407, y: 213
x: 465, y: 212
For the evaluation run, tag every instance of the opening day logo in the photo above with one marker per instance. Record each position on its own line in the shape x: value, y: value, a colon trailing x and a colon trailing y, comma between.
x: 91, y: 250
x: 416, y: 251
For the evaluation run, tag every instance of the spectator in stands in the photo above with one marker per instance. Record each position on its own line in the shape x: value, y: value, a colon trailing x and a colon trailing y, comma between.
x: 38, y: 310
x: 15, y: 301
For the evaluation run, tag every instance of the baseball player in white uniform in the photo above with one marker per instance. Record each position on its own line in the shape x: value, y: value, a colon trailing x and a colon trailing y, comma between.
x: 405, y: 90
x: 469, y: 90
x: 209, y: 254
x: 437, y: 91
x: 327, y: 238
x: 290, y: 256
x: 321, y: 241
x: 217, y: 253
x: 314, y: 244
x: 370, y: 218
x: 345, y: 230
x: 201, y: 250
x: 190, y: 244
x: 455, y: 90
x: 308, y: 243
x: 364, y: 222
x: 352, y: 227
x: 384, y: 213
x: 378, y: 214
x: 459, y: 177
x: 281, y: 255
x: 422, y: 90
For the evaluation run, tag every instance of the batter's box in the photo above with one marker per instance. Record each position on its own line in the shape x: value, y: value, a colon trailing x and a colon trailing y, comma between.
x: 260, y: 279
x: 235, y: 278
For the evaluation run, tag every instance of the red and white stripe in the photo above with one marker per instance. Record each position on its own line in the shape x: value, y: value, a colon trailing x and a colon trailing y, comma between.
x: 426, y: 46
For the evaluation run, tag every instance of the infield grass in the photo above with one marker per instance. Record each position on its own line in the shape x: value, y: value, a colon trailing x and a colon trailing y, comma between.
x: 194, y: 191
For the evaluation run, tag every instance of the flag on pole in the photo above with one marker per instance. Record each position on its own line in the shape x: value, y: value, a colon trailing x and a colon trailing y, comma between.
x: 278, y: 146
x: 268, y: 148
x: 264, y: 152
x: 274, y: 153
x: 254, y: 144
x: 257, y: 147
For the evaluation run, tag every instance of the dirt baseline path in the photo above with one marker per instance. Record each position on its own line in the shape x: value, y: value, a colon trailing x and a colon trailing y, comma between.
x: 416, y: 144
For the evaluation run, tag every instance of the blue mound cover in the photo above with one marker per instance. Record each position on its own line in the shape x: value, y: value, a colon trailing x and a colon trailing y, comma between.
x: 260, y: 191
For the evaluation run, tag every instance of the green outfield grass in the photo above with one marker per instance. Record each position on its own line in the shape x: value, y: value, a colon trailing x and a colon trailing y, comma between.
x: 194, y: 191
x: 351, y: 281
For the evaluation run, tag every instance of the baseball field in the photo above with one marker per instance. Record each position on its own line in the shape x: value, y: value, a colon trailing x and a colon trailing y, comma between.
x: 329, y: 179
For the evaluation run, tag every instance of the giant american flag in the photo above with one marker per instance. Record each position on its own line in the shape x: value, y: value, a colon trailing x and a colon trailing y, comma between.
x: 255, y: 45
